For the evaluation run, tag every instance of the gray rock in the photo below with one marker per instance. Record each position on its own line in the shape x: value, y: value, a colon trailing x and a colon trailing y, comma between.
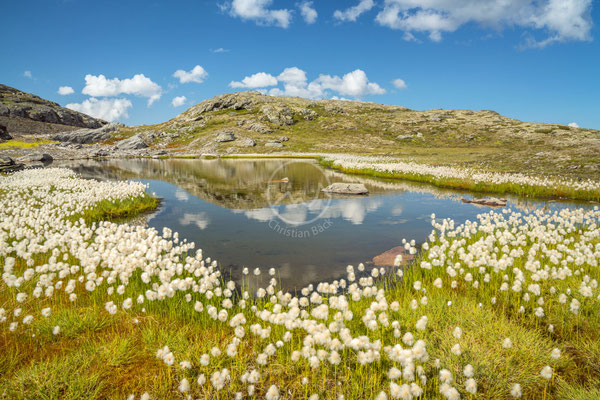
x: 284, y: 139
x: 4, y: 133
x: 346, y: 188
x: 258, y: 127
x: 308, y: 114
x: 132, y: 143
x: 247, y: 142
x: 36, y: 157
x: 419, y: 135
x: 276, y: 114
x: 273, y: 144
x: 85, y: 136
x: 225, y: 136
x: 405, y: 137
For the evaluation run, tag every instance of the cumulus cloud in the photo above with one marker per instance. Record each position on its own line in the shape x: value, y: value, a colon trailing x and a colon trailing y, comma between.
x: 259, y: 12
x: 260, y: 79
x: 178, y: 101
x: 65, y: 90
x: 107, y: 109
x: 574, y: 125
x: 564, y: 20
x: 27, y: 74
x: 399, y: 84
x: 352, y: 13
x: 354, y: 84
x: 308, y: 12
x: 139, y: 85
x: 196, y: 74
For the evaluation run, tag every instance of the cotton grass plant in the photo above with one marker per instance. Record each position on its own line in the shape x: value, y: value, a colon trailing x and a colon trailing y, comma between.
x: 503, y: 307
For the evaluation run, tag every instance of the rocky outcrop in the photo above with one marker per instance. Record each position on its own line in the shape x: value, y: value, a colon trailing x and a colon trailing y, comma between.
x: 274, y: 143
x: 4, y: 134
x: 277, y: 114
x: 247, y: 142
x: 346, y: 188
x: 225, y: 101
x: 17, y: 104
x: 85, y: 136
x: 225, y: 136
x: 133, y: 143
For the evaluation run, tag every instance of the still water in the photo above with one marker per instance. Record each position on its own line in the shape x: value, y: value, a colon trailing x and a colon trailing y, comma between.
x: 271, y: 212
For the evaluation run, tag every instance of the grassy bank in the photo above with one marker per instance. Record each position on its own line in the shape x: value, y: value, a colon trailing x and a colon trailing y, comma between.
x: 559, y: 191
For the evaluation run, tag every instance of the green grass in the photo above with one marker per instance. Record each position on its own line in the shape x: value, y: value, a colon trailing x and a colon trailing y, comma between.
x: 119, y: 209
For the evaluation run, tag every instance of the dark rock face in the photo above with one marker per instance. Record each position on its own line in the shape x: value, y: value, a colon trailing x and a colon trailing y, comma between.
x: 4, y: 133
x: 7, y: 164
x: 85, y: 136
x: 17, y: 104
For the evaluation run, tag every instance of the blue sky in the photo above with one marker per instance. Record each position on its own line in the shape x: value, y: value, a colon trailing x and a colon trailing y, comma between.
x: 531, y: 60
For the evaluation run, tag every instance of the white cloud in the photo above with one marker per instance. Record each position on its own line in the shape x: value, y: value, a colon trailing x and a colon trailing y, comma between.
x: 107, y: 109
x: 139, y: 85
x: 178, y: 101
x: 355, y: 84
x: 352, y: 13
x: 65, y: 90
x: 308, y: 12
x: 258, y: 11
x: 197, y: 74
x: 260, y: 79
x: 220, y: 50
x: 564, y: 20
x: 399, y: 84
x: 573, y: 125
x: 27, y: 74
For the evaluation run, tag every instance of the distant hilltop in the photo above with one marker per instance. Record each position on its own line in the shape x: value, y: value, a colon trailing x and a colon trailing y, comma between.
x: 26, y: 113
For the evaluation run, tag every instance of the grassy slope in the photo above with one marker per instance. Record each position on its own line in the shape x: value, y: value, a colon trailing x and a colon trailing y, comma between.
x: 480, y: 139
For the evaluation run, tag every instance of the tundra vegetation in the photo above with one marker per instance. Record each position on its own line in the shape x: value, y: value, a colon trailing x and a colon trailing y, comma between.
x: 506, y: 306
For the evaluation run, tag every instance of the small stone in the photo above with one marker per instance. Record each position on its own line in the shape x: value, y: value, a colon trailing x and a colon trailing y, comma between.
x: 346, y: 188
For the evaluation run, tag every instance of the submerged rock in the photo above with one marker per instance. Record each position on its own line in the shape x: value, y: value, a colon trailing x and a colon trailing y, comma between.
x: 488, y: 201
x: 346, y: 188
x: 387, y: 258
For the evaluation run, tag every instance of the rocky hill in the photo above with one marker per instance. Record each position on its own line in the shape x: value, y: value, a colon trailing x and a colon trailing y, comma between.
x: 249, y: 122
x: 26, y: 113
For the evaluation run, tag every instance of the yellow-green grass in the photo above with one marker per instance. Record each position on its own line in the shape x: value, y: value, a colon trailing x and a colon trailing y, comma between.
x: 17, y: 144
